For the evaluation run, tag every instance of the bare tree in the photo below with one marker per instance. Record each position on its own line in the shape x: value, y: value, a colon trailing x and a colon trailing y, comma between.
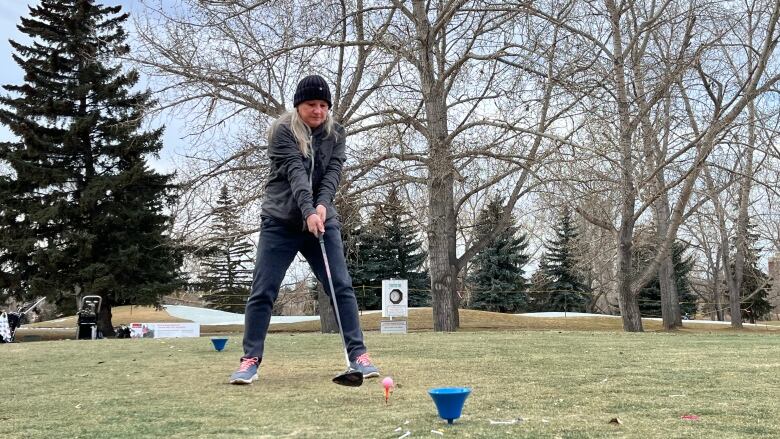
x: 756, y: 34
x: 234, y: 63
x: 638, y: 82
x: 455, y: 98
x: 618, y: 103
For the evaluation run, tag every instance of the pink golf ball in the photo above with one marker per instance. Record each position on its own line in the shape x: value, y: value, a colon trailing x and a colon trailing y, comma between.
x: 387, y: 382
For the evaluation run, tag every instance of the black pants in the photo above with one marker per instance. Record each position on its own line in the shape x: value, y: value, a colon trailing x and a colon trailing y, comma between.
x: 279, y: 243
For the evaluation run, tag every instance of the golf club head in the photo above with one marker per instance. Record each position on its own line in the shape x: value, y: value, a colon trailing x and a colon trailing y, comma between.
x: 350, y: 378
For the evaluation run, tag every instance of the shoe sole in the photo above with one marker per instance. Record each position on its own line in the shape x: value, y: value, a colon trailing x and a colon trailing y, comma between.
x: 371, y: 375
x: 243, y: 381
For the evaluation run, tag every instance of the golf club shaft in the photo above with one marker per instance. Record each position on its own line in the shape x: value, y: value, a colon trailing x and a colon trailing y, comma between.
x: 36, y: 304
x: 333, y: 296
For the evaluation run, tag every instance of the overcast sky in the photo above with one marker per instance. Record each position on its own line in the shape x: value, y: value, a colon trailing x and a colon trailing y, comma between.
x: 11, y: 12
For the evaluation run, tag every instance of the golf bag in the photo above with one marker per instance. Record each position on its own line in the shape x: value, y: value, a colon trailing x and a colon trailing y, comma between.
x: 8, y: 324
x: 88, y: 318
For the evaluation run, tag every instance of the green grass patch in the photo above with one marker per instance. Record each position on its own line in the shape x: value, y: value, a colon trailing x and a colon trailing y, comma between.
x: 562, y: 384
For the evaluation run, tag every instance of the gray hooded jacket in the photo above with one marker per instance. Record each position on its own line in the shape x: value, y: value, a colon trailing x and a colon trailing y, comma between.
x: 296, y: 184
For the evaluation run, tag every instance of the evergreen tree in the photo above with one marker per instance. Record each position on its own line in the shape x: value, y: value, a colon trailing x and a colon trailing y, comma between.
x: 755, y: 292
x: 365, y: 266
x: 82, y: 213
x: 539, y: 289
x: 565, y: 289
x: 650, y: 295
x: 390, y: 248
x: 755, y: 283
x: 496, y: 274
x: 227, y: 259
x: 352, y: 230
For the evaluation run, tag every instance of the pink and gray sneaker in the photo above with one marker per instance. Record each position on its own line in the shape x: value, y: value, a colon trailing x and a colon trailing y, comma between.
x: 247, y: 372
x: 365, y: 366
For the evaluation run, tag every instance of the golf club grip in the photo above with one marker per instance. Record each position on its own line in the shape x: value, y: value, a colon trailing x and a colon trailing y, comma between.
x: 333, y: 295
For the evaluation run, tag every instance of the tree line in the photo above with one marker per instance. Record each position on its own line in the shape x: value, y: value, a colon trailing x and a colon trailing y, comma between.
x: 651, y: 124
x: 649, y: 121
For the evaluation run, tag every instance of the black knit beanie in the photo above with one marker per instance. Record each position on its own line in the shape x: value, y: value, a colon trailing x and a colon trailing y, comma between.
x: 310, y: 88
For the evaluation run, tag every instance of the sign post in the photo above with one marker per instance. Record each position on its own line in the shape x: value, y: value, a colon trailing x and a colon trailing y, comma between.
x: 395, y: 303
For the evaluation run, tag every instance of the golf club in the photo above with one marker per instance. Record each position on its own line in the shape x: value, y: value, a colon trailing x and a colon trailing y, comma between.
x: 351, y: 377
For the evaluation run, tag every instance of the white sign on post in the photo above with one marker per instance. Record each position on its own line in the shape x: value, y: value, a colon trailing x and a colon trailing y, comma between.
x: 392, y: 326
x: 395, y: 298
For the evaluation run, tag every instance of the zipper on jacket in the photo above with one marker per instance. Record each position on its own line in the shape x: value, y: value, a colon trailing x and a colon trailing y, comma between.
x: 311, y: 175
x: 312, y: 156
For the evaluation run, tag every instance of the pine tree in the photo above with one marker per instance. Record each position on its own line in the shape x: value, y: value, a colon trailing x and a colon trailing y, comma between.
x: 227, y: 259
x: 650, y: 295
x: 390, y: 248
x: 755, y: 292
x: 755, y: 283
x: 352, y: 229
x: 365, y: 267
x: 82, y: 213
x: 496, y: 274
x: 539, y: 289
x: 565, y: 290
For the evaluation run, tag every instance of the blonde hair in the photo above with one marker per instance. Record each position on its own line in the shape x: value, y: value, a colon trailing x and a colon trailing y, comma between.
x: 300, y: 130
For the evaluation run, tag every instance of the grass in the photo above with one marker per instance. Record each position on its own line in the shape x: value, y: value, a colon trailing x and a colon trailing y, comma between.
x: 419, y: 320
x: 566, y: 384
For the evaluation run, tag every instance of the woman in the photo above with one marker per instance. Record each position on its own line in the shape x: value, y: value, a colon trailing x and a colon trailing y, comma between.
x: 306, y: 149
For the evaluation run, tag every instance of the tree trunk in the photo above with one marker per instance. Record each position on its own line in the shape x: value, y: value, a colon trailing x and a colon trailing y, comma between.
x: 718, y: 297
x: 104, y: 324
x: 629, y: 306
x: 328, y: 323
x: 734, y: 308
x: 668, y: 293
x: 441, y: 221
x: 735, y: 298
x: 715, y: 286
x: 657, y: 152
x: 670, y: 303
x: 442, y: 267
x: 725, y: 253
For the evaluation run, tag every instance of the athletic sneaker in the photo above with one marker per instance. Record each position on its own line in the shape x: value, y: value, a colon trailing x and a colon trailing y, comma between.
x: 247, y: 372
x: 365, y: 366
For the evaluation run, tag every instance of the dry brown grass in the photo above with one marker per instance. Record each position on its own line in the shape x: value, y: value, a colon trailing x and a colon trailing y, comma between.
x: 471, y: 320
x: 120, y: 315
x: 65, y: 328
x: 419, y: 320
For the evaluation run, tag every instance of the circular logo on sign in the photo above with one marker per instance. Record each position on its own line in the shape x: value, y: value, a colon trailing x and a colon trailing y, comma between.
x: 396, y: 296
